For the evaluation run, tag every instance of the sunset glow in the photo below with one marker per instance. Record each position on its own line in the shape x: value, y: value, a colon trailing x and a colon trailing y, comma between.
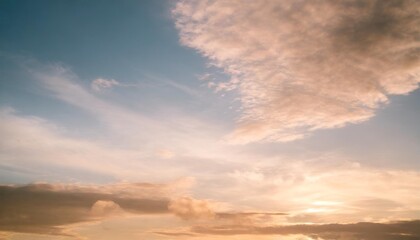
x: 210, y: 119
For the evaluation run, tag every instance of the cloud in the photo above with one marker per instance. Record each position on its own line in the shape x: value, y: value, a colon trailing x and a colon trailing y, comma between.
x: 33, y: 142
x: 66, y: 86
x: 188, y: 208
x: 48, y: 208
x: 363, y: 194
x: 58, y: 209
x: 44, y: 208
x: 324, y: 190
x: 42, y: 150
x: 176, y: 234
x: 300, y: 66
x: 247, y: 218
x: 364, y: 230
x: 188, y: 90
x: 235, y: 214
x: 101, y: 84
x: 123, y: 124
x: 105, y: 208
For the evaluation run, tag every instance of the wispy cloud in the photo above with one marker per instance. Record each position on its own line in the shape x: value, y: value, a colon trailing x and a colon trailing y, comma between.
x: 194, y: 93
x: 66, y: 86
x: 131, y: 127
x: 127, y: 135
x: 53, y: 147
x: 303, y: 65
x: 101, y: 84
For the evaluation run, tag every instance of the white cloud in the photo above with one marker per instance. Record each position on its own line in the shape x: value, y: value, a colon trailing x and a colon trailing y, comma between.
x: 101, y: 84
x: 304, y: 65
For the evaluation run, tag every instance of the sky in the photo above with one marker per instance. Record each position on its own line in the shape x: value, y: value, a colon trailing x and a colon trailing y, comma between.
x: 210, y: 119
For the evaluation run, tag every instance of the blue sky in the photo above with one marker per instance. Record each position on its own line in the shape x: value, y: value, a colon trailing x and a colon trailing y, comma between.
x: 225, y: 104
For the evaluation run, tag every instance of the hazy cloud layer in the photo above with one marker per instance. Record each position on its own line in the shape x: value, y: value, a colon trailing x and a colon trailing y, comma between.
x: 324, y: 190
x: 299, y: 66
x: 53, y: 147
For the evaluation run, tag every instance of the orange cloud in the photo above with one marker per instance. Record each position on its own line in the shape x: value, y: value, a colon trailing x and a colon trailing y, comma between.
x: 188, y: 208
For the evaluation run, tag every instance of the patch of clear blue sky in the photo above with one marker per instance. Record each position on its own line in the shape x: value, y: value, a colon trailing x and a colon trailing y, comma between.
x: 113, y: 38
x: 132, y: 40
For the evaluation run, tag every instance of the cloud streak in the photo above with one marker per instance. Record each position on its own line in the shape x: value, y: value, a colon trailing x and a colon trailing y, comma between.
x: 364, y: 230
x: 300, y: 66
x: 53, y: 148
x: 101, y: 84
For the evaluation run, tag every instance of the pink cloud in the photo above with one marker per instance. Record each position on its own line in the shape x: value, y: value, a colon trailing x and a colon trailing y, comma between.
x: 300, y: 66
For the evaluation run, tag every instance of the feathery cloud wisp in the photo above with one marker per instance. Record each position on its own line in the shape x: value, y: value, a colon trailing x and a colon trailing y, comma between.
x: 100, y: 84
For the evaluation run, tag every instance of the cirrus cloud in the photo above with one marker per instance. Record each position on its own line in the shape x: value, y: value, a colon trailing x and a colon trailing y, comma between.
x: 100, y: 84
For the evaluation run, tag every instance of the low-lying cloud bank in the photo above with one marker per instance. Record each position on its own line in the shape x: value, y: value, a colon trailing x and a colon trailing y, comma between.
x: 47, y: 208
x: 42, y: 208
x: 299, y: 66
x: 363, y: 230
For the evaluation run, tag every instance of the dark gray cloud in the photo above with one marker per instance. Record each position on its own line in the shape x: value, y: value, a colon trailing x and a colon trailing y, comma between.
x: 369, y: 23
x: 41, y: 208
